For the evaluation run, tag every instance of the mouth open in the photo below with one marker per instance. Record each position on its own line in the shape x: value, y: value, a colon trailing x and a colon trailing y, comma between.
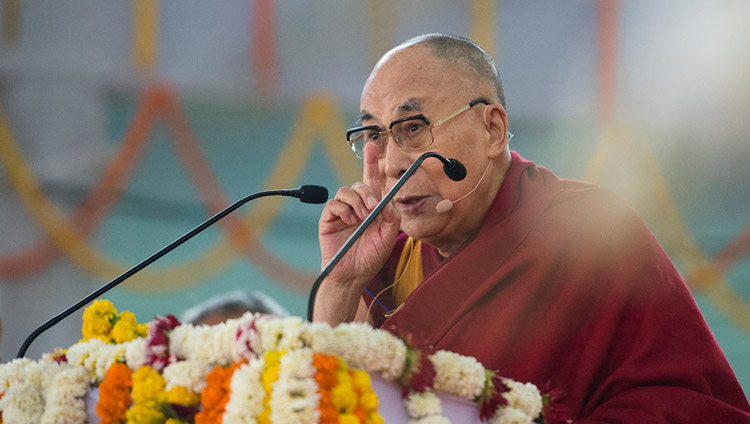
x: 411, y: 203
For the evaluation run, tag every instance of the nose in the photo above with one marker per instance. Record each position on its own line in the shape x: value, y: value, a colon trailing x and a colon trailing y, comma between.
x: 397, y: 160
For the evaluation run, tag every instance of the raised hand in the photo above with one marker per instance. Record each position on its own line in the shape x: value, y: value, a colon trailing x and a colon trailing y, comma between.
x: 341, y: 216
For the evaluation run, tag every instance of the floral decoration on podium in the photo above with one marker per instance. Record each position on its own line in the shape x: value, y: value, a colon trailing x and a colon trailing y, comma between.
x: 253, y: 369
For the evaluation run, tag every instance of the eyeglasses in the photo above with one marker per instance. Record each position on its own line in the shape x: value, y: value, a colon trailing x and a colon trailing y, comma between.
x: 411, y: 133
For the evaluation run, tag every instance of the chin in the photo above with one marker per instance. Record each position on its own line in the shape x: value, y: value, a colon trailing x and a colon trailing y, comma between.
x: 423, y: 229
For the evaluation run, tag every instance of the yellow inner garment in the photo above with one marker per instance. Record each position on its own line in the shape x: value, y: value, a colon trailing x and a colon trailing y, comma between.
x: 409, y: 271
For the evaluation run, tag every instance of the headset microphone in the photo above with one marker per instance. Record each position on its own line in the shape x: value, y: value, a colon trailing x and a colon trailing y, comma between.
x: 446, y: 205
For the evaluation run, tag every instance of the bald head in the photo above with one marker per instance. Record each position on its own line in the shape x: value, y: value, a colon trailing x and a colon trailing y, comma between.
x: 455, y: 51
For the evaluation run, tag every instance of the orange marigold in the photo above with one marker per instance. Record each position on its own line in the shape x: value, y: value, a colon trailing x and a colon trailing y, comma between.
x: 325, y: 375
x: 114, y: 394
x: 216, y: 394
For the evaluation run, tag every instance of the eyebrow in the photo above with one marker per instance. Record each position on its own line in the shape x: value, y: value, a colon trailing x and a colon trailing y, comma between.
x: 364, y: 116
x: 410, y: 105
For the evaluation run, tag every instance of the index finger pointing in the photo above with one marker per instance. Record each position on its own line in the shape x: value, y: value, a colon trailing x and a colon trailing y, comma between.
x: 371, y: 173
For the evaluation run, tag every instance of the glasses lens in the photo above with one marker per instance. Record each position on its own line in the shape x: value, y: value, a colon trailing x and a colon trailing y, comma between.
x: 413, y: 134
x: 359, y: 138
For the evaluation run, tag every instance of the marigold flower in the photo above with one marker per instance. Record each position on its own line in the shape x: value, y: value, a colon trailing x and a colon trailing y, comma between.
x: 114, y: 394
x: 148, y: 412
x: 181, y: 395
x: 126, y: 328
x: 148, y: 385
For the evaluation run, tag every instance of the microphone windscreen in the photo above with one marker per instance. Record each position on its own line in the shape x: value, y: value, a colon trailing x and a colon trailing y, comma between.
x: 454, y: 169
x: 313, y: 194
x: 444, y: 206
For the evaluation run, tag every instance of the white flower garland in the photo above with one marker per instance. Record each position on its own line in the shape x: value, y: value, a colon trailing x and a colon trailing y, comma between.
x: 424, y: 408
x: 510, y: 415
x: 295, y: 397
x: 96, y: 356
x: 23, y: 382
x: 23, y: 403
x: 525, y: 397
x: 246, y: 402
x: 65, y: 397
x: 363, y: 347
x: 135, y: 353
x: 457, y: 374
x: 190, y: 373
x: 280, y: 334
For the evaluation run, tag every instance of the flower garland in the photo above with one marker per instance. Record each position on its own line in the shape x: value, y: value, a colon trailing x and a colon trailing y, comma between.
x: 189, y: 373
x: 64, y: 398
x: 96, y: 356
x: 148, y: 397
x: 157, y: 354
x: 312, y: 385
x: 246, y: 402
x: 424, y: 408
x: 295, y: 398
x: 101, y: 321
x: 458, y: 375
x: 114, y: 394
x: 326, y: 379
x: 22, y: 382
x: 22, y: 403
x: 272, y: 361
x: 216, y: 394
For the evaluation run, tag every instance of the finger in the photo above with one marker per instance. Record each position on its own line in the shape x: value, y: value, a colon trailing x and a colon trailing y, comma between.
x: 352, y: 196
x: 371, y: 172
x: 367, y: 193
x: 337, y: 211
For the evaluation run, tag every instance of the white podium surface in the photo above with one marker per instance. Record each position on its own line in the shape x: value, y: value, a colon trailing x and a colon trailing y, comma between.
x: 392, y: 409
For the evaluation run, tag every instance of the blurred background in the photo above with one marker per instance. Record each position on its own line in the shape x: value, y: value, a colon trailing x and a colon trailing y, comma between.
x: 124, y: 124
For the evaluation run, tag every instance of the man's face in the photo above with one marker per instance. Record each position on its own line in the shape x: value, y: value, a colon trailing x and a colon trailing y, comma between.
x: 413, y: 81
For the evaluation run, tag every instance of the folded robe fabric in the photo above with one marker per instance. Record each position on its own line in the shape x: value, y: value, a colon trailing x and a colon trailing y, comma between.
x: 565, y: 285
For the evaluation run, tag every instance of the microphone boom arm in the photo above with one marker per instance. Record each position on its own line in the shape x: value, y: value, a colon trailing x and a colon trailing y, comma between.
x: 300, y: 193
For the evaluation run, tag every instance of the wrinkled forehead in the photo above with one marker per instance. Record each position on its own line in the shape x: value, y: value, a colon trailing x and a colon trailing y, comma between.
x: 409, y: 80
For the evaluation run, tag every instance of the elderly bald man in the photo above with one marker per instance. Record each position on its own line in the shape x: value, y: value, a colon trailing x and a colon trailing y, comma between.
x: 549, y: 281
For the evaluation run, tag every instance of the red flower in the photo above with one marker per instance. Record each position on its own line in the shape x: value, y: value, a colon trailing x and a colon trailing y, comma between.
x: 157, y: 342
x: 492, y: 395
x: 419, y: 372
x: 247, y: 339
x: 555, y: 410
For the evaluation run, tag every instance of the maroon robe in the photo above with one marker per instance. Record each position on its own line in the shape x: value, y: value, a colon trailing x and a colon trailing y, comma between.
x: 565, y: 284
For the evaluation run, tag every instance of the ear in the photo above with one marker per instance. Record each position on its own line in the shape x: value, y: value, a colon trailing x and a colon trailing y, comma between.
x: 496, y: 124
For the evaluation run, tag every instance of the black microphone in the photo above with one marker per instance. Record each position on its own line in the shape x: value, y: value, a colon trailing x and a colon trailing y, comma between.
x: 454, y: 169
x: 306, y: 194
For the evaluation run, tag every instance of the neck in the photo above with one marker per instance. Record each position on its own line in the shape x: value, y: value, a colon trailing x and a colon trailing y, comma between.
x: 447, y: 248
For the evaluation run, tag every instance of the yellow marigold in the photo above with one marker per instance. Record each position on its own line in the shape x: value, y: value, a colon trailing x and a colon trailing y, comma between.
x: 344, y: 398
x: 361, y: 380
x: 348, y: 419
x: 97, y: 320
x: 374, y: 418
x: 272, y: 361
x: 142, y: 330
x: 126, y: 328
x: 181, y: 395
x: 369, y: 401
x: 175, y: 421
x: 148, y: 412
x: 265, y: 417
x: 148, y: 385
